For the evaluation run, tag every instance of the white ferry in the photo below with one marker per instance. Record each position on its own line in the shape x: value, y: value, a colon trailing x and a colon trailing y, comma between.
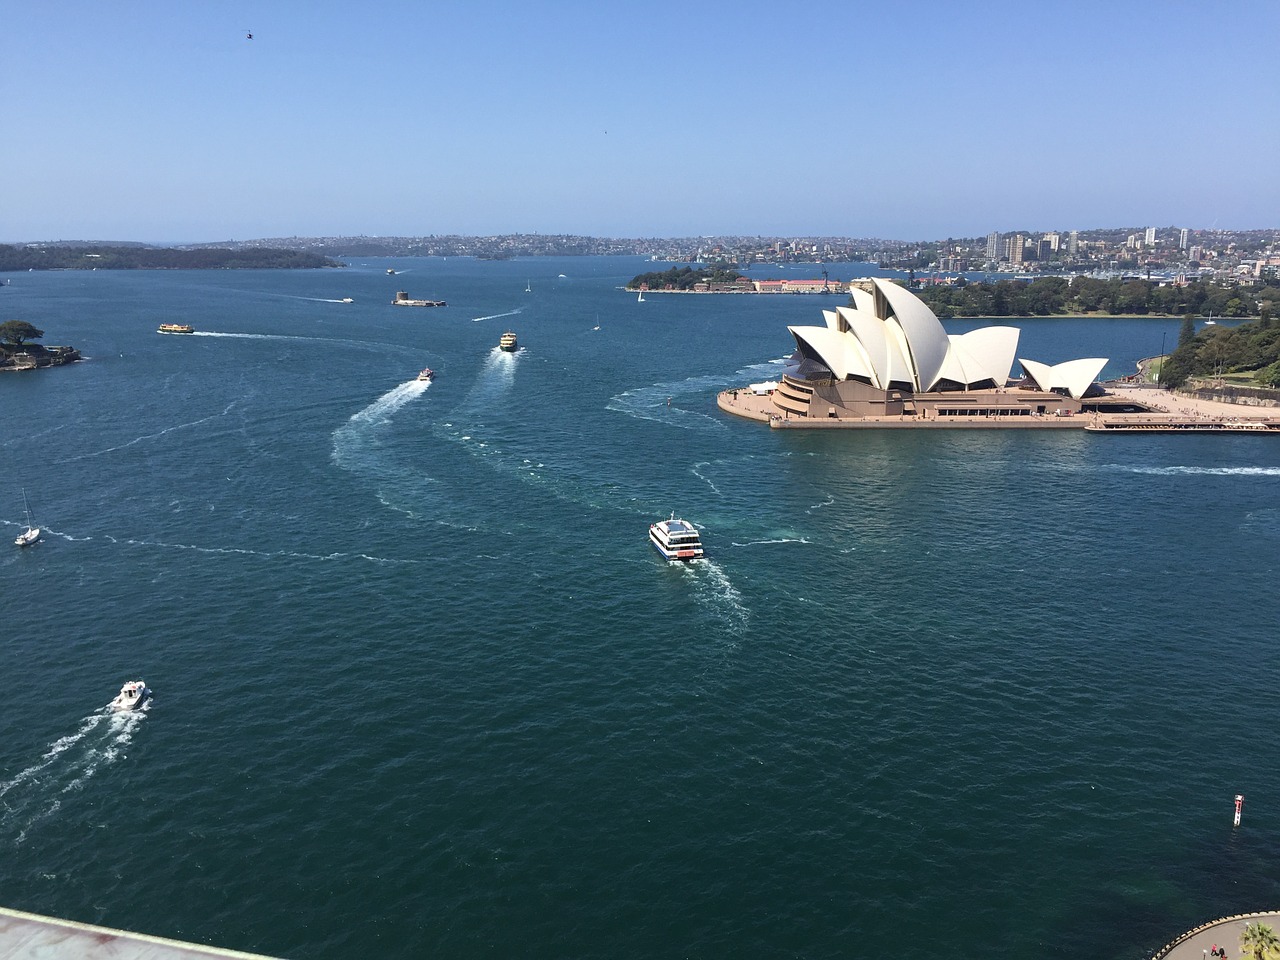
x: 676, y: 539
x: 508, y: 342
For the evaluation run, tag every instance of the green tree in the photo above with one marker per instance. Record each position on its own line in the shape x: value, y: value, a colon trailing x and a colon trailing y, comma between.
x: 16, y: 331
x: 1187, y: 332
x: 1259, y: 941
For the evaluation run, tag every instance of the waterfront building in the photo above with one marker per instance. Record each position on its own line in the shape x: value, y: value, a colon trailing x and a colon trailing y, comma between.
x: 888, y: 355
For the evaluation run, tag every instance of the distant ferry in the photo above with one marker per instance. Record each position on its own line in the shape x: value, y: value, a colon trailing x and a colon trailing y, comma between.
x: 176, y: 328
x: 402, y: 300
x: 508, y: 343
x: 676, y: 539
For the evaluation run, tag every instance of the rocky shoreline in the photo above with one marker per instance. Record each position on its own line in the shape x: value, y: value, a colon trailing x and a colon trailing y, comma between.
x: 35, y: 357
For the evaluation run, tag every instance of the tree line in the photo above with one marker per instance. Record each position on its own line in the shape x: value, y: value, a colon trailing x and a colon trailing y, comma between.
x: 683, y: 278
x: 1048, y: 296
x: 1218, y: 350
x: 87, y: 257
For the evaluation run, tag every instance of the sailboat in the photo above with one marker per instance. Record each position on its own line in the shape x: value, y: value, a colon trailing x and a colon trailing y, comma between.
x: 640, y: 299
x: 526, y: 287
x: 32, y: 533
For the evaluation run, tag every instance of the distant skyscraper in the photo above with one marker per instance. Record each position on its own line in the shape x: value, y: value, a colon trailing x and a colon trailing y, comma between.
x: 1151, y: 236
x: 1073, y: 242
x: 993, y: 246
x: 1017, y: 247
x: 1054, y: 240
x: 1182, y: 238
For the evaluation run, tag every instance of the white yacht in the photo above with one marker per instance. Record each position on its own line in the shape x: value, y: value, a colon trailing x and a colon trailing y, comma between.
x: 131, y: 696
x: 676, y: 539
x: 31, y: 533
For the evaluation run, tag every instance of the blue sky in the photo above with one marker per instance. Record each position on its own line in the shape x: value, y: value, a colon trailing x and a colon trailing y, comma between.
x: 162, y: 122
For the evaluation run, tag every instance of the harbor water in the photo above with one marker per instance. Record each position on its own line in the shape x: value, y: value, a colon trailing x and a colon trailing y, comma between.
x: 422, y: 687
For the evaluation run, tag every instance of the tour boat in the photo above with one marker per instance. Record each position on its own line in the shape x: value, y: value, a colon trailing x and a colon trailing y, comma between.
x: 131, y: 696
x: 508, y: 342
x: 676, y: 539
x: 32, y: 533
x: 427, y: 374
x: 176, y: 328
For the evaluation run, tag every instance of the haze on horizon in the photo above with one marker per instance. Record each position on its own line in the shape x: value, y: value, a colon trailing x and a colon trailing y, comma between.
x: 165, y: 123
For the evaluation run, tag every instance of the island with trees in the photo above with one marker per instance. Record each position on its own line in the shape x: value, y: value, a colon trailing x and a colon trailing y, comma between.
x: 140, y: 257
x: 684, y: 279
x: 19, y: 351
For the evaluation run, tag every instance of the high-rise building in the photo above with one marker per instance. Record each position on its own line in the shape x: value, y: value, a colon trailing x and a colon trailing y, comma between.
x: 1054, y: 240
x: 993, y: 246
x: 1151, y: 236
x: 1182, y: 238
x: 1073, y: 242
x: 1017, y: 248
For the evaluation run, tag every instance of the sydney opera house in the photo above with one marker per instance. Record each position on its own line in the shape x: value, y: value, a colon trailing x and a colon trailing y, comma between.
x: 887, y: 355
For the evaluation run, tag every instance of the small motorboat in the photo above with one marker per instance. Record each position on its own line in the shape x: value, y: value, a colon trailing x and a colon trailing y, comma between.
x: 131, y: 696
x: 427, y: 374
x: 348, y: 300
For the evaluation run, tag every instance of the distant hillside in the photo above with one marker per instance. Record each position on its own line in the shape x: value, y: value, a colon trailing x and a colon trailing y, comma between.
x: 89, y: 257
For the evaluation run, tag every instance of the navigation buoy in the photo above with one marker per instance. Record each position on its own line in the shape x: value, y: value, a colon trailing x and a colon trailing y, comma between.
x: 1239, y: 804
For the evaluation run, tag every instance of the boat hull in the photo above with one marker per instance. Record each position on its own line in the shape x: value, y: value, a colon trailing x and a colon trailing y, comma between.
x: 677, y: 553
x: 27, y: 537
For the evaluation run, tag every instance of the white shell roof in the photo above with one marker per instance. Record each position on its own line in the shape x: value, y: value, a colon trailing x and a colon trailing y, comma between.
x: 893, y: 337
x: 1074, y: 376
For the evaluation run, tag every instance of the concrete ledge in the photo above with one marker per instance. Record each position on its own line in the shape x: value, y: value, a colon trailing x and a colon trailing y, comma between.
x: 29, y: 936
x: 1196, y: 943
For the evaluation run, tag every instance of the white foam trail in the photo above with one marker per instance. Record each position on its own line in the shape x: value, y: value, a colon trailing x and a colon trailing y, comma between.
x: 498, y: 316
x: 37, y: 793
x: 1207, y: 471
x: 754, y: 543
x: 381, y: 409
x: 717, y: 592
x: 151, y: 436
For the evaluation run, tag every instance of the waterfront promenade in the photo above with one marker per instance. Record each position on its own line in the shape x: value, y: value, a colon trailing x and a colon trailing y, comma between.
x: 1169, y: 411
x: 1195, y: 944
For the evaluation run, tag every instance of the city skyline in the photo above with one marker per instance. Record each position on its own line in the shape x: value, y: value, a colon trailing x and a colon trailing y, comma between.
x: 171, y: 125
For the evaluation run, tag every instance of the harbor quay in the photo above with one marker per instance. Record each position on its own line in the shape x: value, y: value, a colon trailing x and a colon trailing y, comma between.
x: 1197, y: 943
x: 1183, y: 415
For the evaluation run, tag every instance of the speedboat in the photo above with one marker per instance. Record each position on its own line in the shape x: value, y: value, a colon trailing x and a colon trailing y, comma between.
x: 131, y: 696
x: 348, y: 300
x: 176, y: 328
x: 427, y: 374
x: 508, y: 343
x: 676, y: 539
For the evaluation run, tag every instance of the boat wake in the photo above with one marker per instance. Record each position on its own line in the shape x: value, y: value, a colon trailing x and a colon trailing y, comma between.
x: 1204, y: 471
x: 354, y: 442
x: 281, y: 336
x: 38, y: 792
x: 498, y: 316
x: 151, y: 436
x: 715, y: 591
x: 665, y: 402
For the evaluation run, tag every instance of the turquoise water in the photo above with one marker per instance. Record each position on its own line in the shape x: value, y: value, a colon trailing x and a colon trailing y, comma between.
x: 422, y: 688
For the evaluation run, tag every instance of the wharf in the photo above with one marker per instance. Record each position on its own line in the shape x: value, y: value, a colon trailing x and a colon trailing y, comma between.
x: 29, y: 936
